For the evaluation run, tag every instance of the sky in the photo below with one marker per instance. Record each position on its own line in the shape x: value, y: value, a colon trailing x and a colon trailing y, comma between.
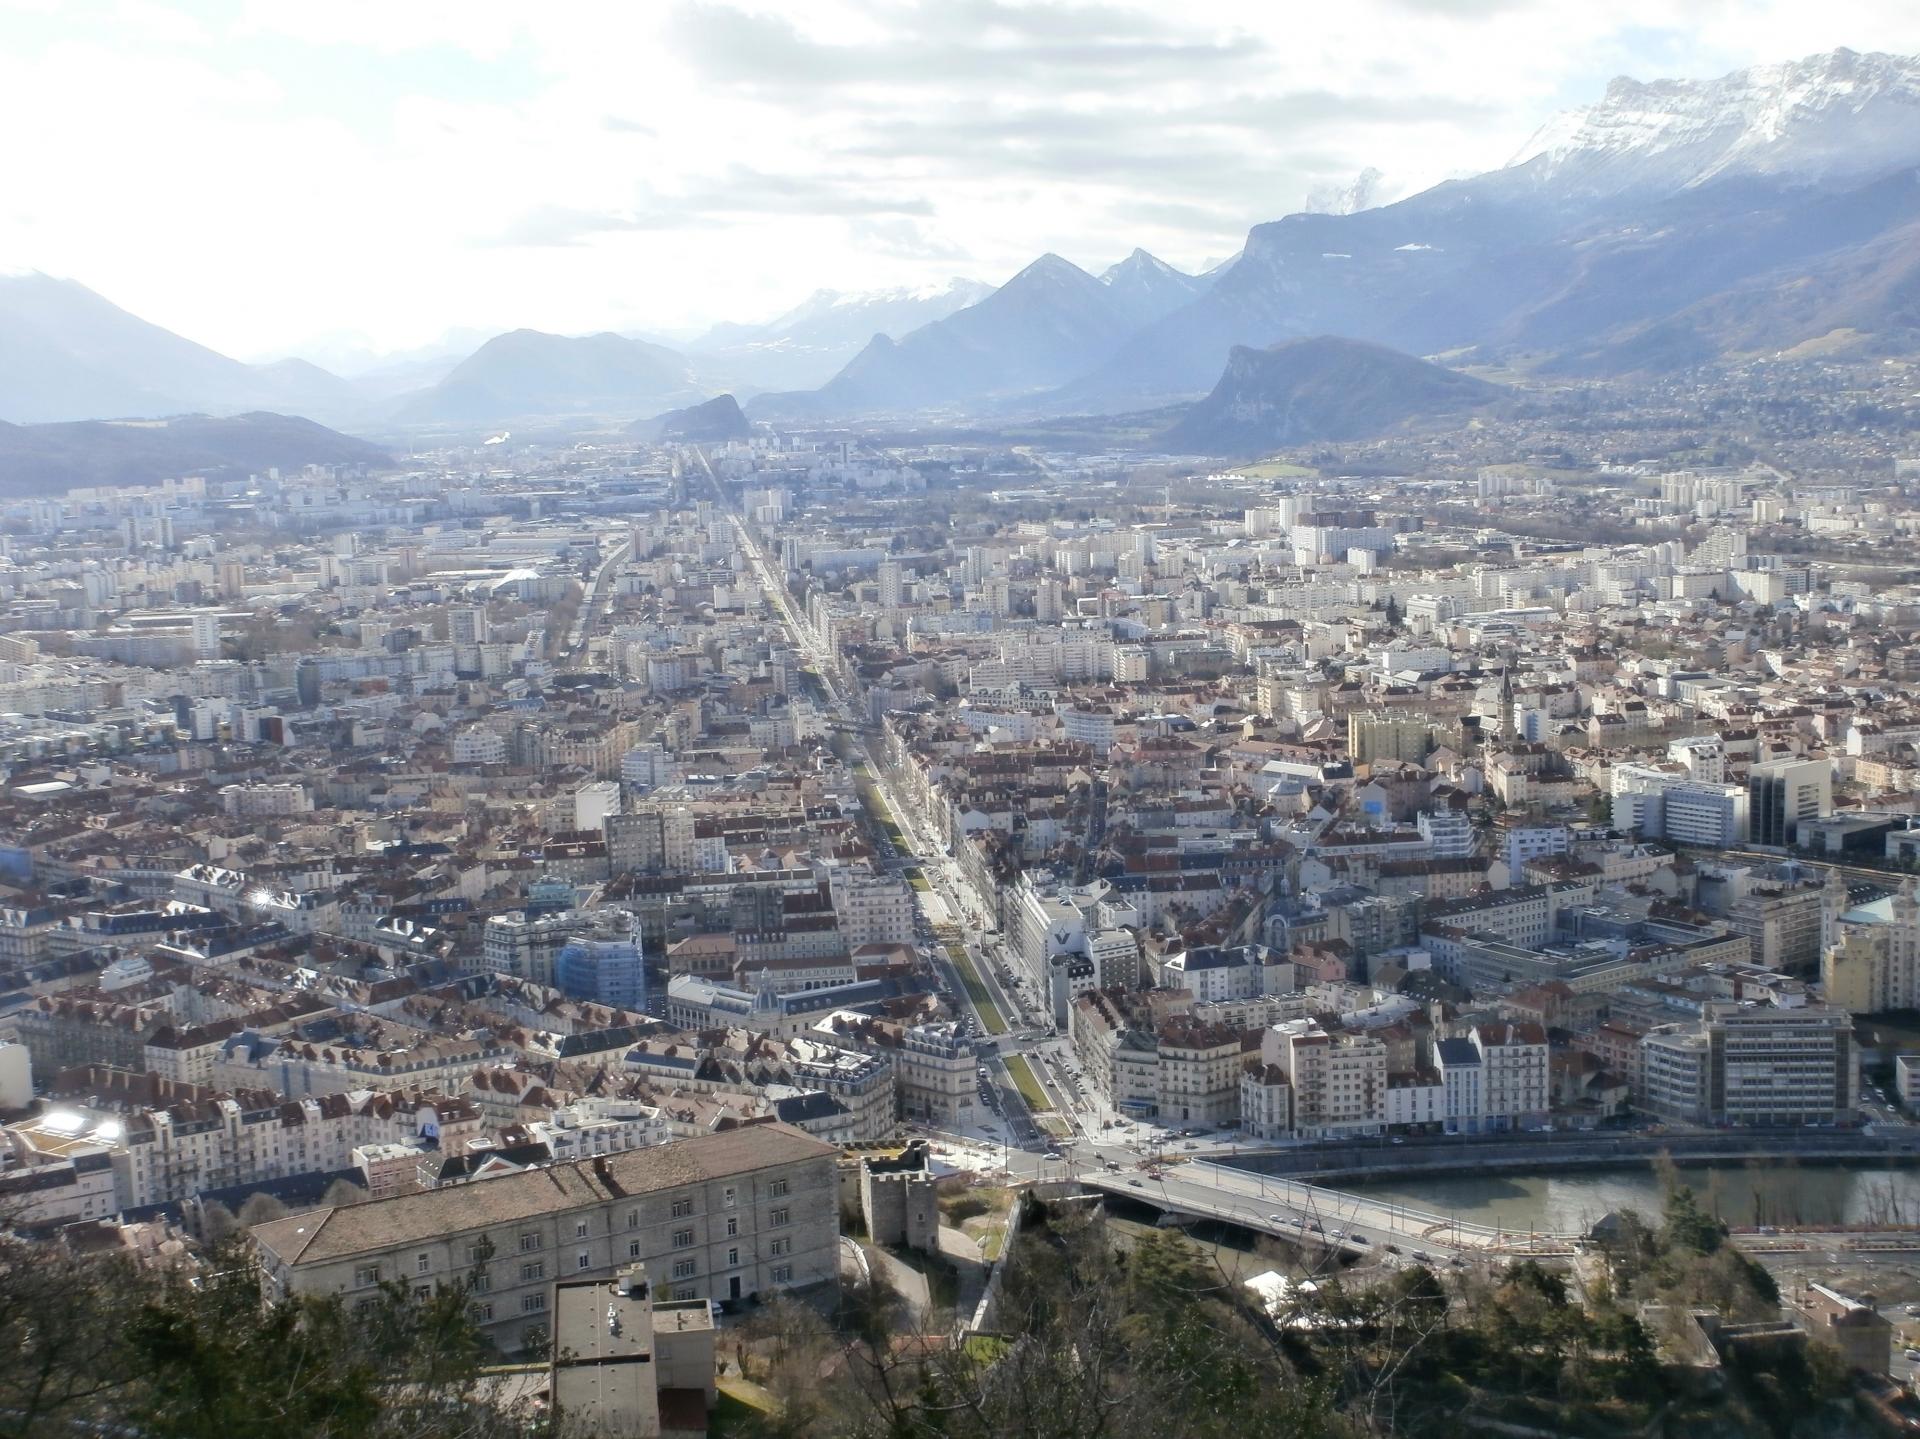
x: 324, y: 176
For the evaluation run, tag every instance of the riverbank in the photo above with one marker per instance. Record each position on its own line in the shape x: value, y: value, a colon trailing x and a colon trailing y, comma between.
x: 1371, y: 1162
x: 1757, y: 1196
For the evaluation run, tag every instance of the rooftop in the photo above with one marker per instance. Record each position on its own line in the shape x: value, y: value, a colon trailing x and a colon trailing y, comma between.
x: 338, y: 1233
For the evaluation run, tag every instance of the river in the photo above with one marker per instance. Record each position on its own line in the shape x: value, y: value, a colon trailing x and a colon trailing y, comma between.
x: 1781, y: 1193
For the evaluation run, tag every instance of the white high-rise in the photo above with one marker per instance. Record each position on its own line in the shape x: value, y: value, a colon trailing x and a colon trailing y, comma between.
x: 892, y: 585
x: 206, y: 636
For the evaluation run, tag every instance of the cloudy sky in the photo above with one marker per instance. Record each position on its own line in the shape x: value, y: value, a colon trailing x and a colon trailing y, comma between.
x: 275, y: 175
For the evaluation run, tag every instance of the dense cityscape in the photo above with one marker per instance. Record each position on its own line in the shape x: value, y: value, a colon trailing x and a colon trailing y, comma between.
x: 1320, y: 844
x: 1089, y: 822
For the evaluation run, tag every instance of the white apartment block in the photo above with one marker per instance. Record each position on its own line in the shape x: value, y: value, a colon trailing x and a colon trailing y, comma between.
x: 1339, y: 1079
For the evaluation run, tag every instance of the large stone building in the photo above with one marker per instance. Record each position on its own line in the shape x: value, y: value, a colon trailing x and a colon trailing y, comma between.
x: 752, y: 1211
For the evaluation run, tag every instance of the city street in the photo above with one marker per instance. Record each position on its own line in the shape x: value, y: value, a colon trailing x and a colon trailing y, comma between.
x: 939, y: 871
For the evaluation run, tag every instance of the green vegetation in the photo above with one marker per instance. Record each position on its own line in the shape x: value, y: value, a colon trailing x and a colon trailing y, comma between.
x: 980, y: 1200
x: 99, y: 1344
x: 991, y: 1018
x: 1115, y: 1330
x: 1021, y: 1073
x: 1091, y: 1342
x: 733, y: 1413
x: 918, y: 881
x: 877, y: 807
x: 981, y: 1214
x: 986, y: 1348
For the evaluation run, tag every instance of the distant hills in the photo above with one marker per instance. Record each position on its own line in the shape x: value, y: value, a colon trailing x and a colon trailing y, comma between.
x: 1307, y: 391
x: 527, y: 373
x: 51, y: 458
x: 68, y: 354
x: 712, y: 422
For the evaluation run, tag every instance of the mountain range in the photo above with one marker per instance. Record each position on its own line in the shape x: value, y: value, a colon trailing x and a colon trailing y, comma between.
x: 66, y: 354
x: 806, y: 346
x: 1044, y: 326
x: 1669, y: 224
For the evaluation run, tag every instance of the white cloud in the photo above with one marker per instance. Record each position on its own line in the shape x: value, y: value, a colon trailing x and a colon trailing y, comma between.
x: 399, y: 169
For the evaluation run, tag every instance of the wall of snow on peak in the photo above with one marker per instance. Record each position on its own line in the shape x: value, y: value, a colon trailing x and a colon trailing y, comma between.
x: 1838, y: 112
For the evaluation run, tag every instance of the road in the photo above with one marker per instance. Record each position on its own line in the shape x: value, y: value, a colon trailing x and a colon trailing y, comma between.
x: 1307, y: 1213
x: 1097, y: 1147
x: 596, y: 600
x: 923, y: 851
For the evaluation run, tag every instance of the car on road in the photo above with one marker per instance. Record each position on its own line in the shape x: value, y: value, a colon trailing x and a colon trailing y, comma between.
x: 1136, y: 1184
x: 1276, y: 1219
x: 1355, y: 1237
x: 1423, y: 1256
x: 1392, y: 1248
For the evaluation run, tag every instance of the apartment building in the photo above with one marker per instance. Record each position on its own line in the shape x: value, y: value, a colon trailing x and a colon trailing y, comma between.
x: 527, y: 945
x: 871, y: 909
x: 1872, y: 958
x: 1753, y: 1066
x: 1199, y: 1073
x: 623, y: 1364
x: 750, y: 1212
x: 1339, y: 1078
x: 1514, y: 1070
x: 933, y: 1064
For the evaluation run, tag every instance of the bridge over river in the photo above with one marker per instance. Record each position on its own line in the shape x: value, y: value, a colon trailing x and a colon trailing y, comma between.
x: 1312, y: 1214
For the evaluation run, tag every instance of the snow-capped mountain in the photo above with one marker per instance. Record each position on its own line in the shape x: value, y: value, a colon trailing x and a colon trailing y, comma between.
x: 1147, y: 287
x: 1363, y: 192
x: 1823, y: 118
x: 1669, y: 224
x: 810, y: 342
